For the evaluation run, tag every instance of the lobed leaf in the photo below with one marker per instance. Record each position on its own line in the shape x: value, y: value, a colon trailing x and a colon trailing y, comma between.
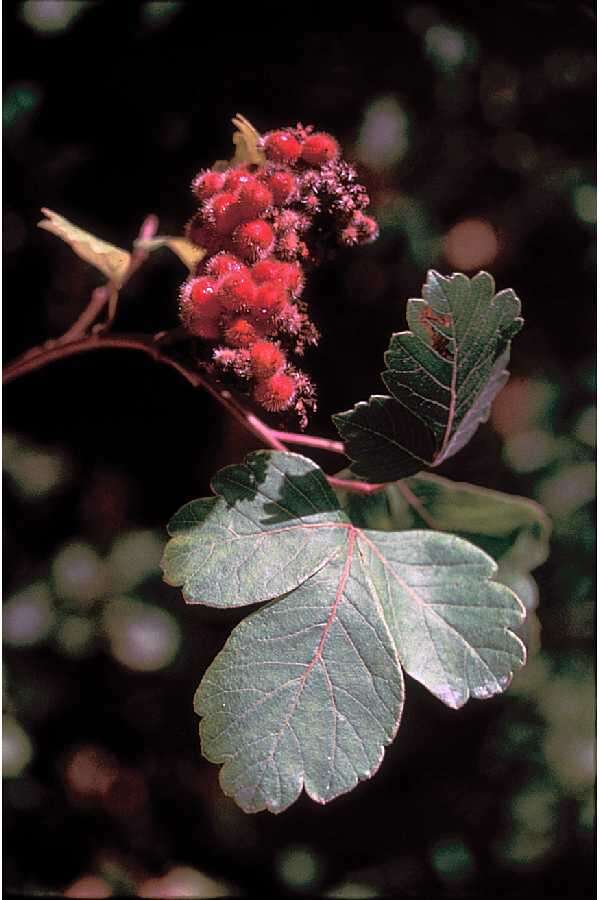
x: 308, y: 690
x: 443, y: 375
x: 110, y: 260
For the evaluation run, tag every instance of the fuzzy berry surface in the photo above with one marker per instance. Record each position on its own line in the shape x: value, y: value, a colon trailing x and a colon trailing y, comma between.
x: 263, y: 227
x: 276, y: 393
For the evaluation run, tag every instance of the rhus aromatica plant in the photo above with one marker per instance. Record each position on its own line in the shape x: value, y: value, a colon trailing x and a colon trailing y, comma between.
x: 380, y: 571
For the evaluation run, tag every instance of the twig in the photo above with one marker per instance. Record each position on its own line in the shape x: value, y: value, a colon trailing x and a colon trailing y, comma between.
x: 416, y: 504
x: 307, y: 440
x: 109, y: 293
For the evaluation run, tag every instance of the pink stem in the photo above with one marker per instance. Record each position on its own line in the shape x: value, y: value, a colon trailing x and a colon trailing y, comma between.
x: 307, y: 440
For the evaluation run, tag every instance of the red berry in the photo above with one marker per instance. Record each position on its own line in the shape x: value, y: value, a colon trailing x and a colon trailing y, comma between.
x: 223, y: 264
x: 266, y: 359
x: 283, y: 185
x: 235, y: 178
x: 320, y: 148
x: 270, y: 298
x: 201, y: 233
x: 275, y: 393
x: 288, y: 274
x: 203, y: 296
x: 240, y: 333
x: 200, y: 326
x: 225, y: 212
x: 267, y: 270
x: 205, y: 184
x: 237, y: 291
x: 254, y: 198
x: 281, y: 146
x: 254, y: 239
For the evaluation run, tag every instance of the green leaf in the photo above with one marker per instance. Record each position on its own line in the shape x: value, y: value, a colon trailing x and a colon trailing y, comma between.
x: 512, y: 530
x: 443, y: 375
x: 271, y: 528
x: 112, y: 261
x: 189, y: 254
x: 309, y: 690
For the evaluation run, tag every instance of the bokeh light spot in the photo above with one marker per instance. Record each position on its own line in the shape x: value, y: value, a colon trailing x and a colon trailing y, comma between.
x: 89, y: 887
x: 298, y: 867
x: 20, y: 102
x: 452, y: 860
x: 79, y: 574
x: 35, y: 472
x: 445, y: 46
x: 135, y: 556
x: 584, y: 203
x: 74, y: 635
x: 142, y: 637
x: 17, y: 749
x: 156, y: 13
x: 51, y: 16
x: 183, y: 881
x: 383, y: 139
x: 471, y: 244
x: 28, y: 616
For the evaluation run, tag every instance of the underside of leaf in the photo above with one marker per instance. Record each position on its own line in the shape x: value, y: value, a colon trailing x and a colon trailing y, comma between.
x: 110, y: 260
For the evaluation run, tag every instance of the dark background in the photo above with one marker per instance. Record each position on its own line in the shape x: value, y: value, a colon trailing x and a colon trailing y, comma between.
x: 452, y: 113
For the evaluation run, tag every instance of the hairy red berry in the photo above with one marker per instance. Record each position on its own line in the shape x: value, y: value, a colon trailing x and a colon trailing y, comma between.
x: 281, y: 146
x: 282, y: 184
x: 288, y: 274
x: 275, y: 393
x: 235, y: 178
x: 203, y: 327
x: 268, y: 270
x: 207, y: 183
x: 240, y: 333
x: 253, y: 240
x: 224, y: 212
x: 237, y: 291
x: 202, y: 234
x: 203, y: 295
x: 266, y: 359
x: 320, y: 148
x: 254, y: 198
x: 270, y: 298
x: 223, y: 264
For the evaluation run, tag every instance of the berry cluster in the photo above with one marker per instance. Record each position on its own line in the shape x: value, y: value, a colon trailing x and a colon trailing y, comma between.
x: 262, y: 226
